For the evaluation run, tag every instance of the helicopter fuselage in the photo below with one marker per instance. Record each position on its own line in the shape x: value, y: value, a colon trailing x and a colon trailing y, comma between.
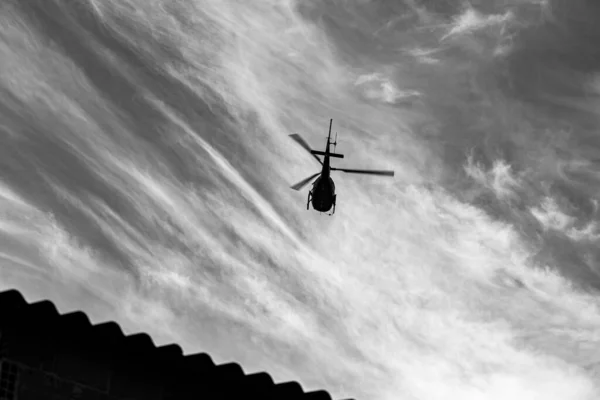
x: 323, y: 194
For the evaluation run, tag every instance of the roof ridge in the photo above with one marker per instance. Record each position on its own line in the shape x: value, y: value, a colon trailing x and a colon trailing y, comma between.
x: 142, y: 341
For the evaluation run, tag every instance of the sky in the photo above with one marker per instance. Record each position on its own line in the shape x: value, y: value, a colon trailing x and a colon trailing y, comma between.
x: 146, y: 165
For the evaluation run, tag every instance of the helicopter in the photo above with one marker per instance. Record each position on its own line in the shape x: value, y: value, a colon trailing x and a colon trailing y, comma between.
x: 322, y: 194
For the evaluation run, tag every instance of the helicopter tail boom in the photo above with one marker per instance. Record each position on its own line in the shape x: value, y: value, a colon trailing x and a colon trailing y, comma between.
x: 322, y: 153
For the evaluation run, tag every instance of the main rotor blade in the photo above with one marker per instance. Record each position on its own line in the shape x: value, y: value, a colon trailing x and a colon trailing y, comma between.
x: 304, y: 182
x: 300, y: 140
x: 365, y: 171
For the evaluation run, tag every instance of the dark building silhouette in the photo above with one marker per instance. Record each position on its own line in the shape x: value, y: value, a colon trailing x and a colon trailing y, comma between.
x: 45, y: 355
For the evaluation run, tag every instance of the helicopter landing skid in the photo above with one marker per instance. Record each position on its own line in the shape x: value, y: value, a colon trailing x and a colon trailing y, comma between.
x: 333, y: 211
x: 308, y: 201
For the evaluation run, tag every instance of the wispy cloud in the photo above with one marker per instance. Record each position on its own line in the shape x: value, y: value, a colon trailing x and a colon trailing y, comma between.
x: 500, y: 179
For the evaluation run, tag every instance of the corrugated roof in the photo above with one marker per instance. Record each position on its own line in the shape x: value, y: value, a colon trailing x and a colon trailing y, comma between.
x: 14, y: 304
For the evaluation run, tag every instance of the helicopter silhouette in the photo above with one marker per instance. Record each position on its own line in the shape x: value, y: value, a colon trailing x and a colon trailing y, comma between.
x: 322, y: 193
